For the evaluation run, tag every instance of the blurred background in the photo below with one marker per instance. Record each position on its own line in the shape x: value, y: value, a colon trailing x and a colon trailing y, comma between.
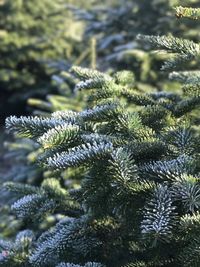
x: 39, y: 42
x: 40, y: 38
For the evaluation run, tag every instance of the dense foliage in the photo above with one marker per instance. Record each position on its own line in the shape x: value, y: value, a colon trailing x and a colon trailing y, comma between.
x: 116, y: 26
x: 37, y: 38
x: 117, y: 182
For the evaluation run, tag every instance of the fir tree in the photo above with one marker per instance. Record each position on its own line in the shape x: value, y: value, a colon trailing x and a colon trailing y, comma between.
x: 116, y: 26
x: 36, y: 41
x: 130, y: 162
x: 20, y: 158
x: 138, y: 202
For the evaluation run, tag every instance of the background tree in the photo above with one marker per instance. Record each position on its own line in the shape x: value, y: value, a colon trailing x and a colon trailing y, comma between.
x: 116, y: 25
x: 37, y: 39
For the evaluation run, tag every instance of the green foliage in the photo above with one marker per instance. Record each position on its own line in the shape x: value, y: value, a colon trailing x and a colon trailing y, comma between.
x: 116, y: 26
x: 158, y: 219
x: 188, y: 12
x: 19, y: 161
x: 137, y: 200
x: 37, y: 38
x: 141, y: 161
x: 34, y: 198
x: 185, y: 49
x: 15, y: 253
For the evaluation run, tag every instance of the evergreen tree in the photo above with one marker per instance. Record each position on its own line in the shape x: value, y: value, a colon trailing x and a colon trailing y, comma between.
x: 138, y: 202
x: 116, y: 25
x: 36, y: 39
x: 20, y: 157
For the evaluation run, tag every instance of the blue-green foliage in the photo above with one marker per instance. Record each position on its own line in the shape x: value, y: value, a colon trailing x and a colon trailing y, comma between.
x: 138, y: 201
x: 141, y: 162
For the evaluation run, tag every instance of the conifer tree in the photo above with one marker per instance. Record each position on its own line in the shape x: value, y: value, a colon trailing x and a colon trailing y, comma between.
x: 116, y: 26
x: 20, y: 156
x: 138, y: 202
x: 130, y: 161
x: 35, y: 41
